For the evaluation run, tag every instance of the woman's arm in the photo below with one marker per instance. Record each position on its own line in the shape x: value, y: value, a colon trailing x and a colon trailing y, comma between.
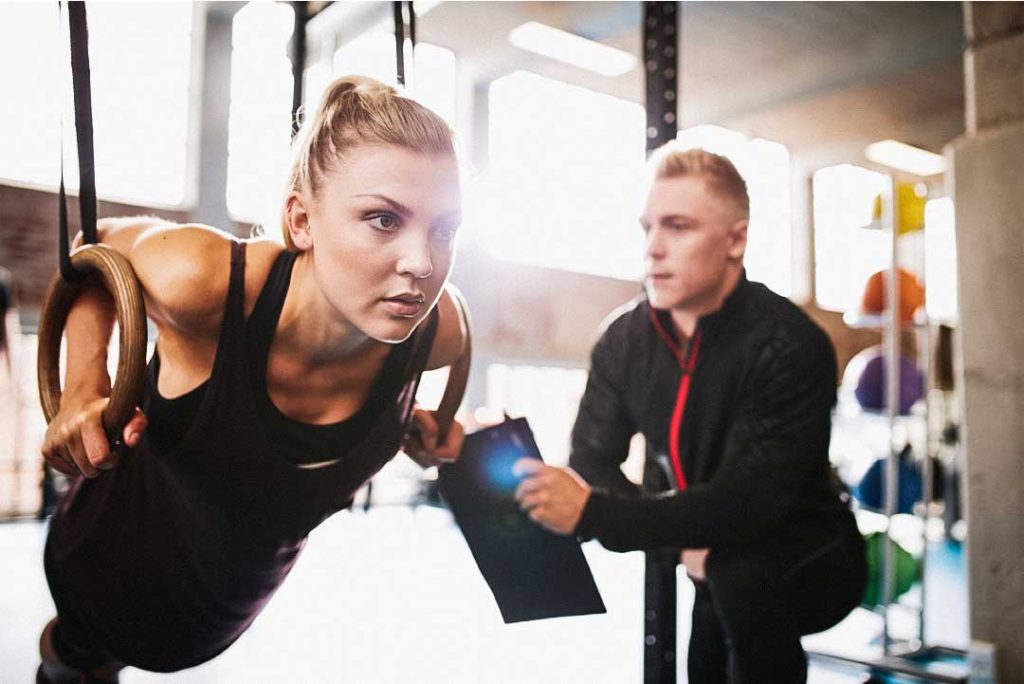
x: 183, y: 272
x: 451, y: 331
x: 422, y: 444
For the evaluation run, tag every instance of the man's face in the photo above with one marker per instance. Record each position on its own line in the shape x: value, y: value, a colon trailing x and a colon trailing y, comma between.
x: 693, y: 234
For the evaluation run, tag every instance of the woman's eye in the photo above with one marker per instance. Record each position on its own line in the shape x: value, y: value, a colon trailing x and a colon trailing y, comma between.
x: 445, y: 233
x: 384, y: 221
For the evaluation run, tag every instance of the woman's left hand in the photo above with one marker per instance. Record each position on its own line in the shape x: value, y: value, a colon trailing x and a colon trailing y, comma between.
x: 422, y: 445
x: 553, y: 497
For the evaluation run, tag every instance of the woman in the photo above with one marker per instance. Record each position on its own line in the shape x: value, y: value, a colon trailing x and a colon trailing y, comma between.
x: 282, y: 381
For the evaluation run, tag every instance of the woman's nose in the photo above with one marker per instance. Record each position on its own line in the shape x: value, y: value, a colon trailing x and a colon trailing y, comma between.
x: 415, y: 257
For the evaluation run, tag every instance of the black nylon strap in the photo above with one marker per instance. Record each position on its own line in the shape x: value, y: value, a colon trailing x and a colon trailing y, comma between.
x: 396, y: 8
x: 80, y: 75
x: 403, y: 29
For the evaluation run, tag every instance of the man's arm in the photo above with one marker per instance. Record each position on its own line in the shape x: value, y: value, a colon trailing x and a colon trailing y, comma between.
x: 781, y: 432
x: 604, y: 428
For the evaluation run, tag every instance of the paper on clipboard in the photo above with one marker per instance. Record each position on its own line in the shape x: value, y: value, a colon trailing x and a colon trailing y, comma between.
x: 533, y: 574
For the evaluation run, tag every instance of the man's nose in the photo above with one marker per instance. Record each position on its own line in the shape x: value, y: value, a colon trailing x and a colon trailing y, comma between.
x: 654, y: 247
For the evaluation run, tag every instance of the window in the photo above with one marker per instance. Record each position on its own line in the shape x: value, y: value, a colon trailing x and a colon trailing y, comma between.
x: 372, y: 54
x: 547, y: 396
x: 259, y: 124
x: 562, y: 189
x: 846, y: 254
x: 940, y: 260
x: 764, y: 165
x: 140, y: 59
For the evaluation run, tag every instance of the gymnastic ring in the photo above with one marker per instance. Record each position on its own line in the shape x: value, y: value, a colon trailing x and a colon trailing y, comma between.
x: 117, y: 276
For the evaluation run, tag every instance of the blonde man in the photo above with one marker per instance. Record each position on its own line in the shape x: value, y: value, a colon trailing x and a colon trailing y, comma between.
x: 733, y: 387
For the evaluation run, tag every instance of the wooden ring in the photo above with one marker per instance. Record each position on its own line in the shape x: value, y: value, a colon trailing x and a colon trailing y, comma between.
x: 117, y: 276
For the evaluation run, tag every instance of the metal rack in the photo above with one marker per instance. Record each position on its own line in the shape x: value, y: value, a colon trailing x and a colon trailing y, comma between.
x: 910, y: 657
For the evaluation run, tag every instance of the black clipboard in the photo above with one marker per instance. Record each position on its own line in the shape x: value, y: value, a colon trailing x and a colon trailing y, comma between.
x: 533, y: 574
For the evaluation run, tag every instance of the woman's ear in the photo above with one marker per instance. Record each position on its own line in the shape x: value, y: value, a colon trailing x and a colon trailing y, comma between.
x: 297, y: 221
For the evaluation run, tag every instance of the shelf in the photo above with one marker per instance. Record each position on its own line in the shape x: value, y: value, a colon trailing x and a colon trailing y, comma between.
x: 865, y: 321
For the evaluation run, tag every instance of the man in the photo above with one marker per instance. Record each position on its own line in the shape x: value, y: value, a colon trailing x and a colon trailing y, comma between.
x: 733, y: 387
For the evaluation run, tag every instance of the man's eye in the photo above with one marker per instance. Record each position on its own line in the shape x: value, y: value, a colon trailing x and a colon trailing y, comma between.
x: 385, y: 221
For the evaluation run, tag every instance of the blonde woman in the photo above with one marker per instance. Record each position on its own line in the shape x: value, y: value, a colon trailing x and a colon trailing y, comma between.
x: 283, y: 379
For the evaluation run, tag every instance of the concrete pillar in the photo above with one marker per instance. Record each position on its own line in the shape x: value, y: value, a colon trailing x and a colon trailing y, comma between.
x: 211, y: 203
x: 988, y: 190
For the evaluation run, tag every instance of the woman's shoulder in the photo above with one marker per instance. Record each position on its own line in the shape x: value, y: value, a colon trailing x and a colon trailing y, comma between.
x: 185, y: 272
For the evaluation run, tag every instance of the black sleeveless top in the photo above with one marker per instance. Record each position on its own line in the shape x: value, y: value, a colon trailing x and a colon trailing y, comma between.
x: 168, y: 558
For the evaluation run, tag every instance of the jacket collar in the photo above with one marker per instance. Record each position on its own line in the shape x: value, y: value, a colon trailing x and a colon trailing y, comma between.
x: 711, y: 323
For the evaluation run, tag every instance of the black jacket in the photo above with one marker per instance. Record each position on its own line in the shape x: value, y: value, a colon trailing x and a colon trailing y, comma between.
x: 753, y: 441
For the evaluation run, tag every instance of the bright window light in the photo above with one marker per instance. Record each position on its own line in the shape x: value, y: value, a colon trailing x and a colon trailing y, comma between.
x: 897, y: 155
x: 421, y: 7
x: 845, y: 255
x: 571, y: 49
x: 561, y: 190
x: 259, y: 130
x: 547, y: 396
x: 764, y: 165
x: 140, y: 59
x: 433, y: 82
x: 940, y: 260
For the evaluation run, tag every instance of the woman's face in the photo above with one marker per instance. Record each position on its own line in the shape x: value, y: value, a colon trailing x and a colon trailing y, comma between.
x: 383, y: 236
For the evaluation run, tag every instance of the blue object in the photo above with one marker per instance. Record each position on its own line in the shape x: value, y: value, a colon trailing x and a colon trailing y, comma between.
x: 870, y: 490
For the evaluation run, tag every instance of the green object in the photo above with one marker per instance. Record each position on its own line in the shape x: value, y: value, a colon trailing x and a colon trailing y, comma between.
x: 907, y: 570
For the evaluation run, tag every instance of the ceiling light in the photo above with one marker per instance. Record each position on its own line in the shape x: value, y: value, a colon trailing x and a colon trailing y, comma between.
x: 897, y: 155
x: 571, y: 49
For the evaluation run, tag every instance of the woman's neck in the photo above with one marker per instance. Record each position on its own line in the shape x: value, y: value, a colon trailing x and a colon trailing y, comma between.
x: 310, y: 327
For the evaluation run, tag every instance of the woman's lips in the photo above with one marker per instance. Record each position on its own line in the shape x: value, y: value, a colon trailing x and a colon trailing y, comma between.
x: 404, y: 306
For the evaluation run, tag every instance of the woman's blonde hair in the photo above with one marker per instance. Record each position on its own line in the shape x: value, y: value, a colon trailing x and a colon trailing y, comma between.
x: 356, y: 110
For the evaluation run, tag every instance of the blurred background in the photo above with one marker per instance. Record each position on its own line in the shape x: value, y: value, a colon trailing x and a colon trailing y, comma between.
x: 827, y: 109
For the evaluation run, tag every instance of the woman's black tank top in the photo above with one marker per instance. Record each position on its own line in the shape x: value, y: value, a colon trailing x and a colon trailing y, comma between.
x: 170, y: 556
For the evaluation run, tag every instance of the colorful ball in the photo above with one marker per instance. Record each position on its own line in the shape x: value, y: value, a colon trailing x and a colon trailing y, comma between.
x: 907, y: 570
x: 870, y: 389
x: 870, y: 490
x: 911, y: 295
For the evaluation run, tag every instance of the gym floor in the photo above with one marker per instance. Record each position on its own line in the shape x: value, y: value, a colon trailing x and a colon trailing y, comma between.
x: 392, y: 595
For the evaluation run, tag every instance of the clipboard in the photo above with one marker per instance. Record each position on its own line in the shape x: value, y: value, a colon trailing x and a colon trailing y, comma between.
x: 533, y: 574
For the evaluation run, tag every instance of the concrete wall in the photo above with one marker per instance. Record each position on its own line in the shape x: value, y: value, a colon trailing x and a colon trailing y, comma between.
x: 988, y: 191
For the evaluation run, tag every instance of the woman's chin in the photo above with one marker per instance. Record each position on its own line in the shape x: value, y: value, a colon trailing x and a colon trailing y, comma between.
x: 391, y: 330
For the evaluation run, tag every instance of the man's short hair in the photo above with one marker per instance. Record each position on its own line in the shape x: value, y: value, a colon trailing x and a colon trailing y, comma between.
x: 672, y: 161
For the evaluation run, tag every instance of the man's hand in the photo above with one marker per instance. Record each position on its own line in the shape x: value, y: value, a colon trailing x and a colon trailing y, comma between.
x: 694, y: 561
x: 552, y: 497
x: 421, y: 443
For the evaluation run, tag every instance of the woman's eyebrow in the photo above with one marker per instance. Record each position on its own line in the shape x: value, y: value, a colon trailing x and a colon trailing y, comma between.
x: 397, y: 206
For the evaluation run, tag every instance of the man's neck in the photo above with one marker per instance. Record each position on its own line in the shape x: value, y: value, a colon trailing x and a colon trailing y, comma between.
x: 685, y: 319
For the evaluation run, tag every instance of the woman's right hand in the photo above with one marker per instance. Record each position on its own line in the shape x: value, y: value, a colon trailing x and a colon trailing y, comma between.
x: 76, y: 443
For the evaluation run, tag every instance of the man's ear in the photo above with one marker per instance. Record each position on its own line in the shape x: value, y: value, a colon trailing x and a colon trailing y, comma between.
x: 738, y: 239
x: 297, y: 221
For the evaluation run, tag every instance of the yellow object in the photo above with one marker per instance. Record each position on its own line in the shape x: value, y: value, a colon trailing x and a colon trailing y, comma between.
x: 909, y: 205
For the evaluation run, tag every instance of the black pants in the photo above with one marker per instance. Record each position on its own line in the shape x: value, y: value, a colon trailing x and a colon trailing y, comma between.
x: 759, y: 600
